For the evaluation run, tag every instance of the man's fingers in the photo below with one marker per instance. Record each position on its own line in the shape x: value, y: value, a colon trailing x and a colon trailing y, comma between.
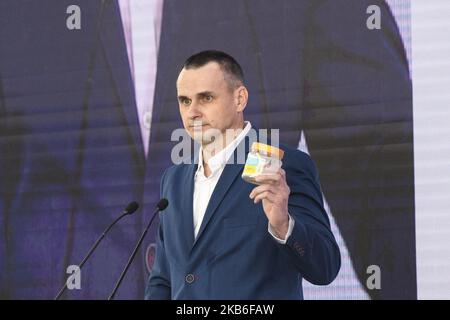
x: 259, y: 189
x: 264, y: 195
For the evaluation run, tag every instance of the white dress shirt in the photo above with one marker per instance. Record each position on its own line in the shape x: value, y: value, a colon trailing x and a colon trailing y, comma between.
x: 141, y: 20
x: 204, y: 186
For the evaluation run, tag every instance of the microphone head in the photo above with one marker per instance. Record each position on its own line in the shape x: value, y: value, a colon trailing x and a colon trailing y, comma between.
x: 162, y: 204
x: 131, y: 207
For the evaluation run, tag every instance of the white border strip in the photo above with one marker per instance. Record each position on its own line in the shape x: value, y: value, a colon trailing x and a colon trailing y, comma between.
x: 431, y: 94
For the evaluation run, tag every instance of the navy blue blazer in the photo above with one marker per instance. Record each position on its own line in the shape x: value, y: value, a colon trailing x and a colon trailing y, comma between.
x: 233, y: 255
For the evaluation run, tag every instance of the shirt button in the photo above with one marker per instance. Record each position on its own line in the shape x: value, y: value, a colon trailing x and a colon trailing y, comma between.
x: 190, y: 278
x: 147, y: 119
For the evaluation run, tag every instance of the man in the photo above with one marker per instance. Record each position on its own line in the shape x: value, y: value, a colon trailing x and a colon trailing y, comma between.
x: 77, y: 143
x: 225, y: 238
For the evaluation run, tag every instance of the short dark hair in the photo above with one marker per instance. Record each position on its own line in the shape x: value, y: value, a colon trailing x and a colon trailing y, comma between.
x: 227, y: 63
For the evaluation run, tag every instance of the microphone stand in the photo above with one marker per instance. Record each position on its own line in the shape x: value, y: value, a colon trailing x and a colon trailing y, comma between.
x: 129, y: 210
x: 127, y: 266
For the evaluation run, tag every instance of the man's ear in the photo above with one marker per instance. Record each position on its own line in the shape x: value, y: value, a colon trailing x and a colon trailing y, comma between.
x: 241, y: 98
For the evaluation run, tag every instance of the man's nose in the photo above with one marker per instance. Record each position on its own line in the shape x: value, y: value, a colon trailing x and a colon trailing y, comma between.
x: 194, y: 111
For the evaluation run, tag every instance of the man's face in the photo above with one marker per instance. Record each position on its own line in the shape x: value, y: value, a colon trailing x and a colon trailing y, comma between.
x: 208, y: 104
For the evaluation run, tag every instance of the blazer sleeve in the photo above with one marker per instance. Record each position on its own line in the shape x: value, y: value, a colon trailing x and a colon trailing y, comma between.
x: 158, y: 286
x: 311, y: 246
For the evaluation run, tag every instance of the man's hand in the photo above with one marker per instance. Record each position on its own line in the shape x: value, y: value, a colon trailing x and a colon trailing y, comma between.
x: 274, y: 193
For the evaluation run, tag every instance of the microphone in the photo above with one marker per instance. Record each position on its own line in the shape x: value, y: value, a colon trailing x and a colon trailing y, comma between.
x: 130, y: 209
x: 162, y: 204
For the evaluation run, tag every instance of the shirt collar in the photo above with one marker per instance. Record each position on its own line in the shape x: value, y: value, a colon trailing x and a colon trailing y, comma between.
x: 220, y: 159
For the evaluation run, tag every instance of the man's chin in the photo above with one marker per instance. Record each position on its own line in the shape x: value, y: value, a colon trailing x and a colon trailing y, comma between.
x: 205, y: 136
x: 204, y: 141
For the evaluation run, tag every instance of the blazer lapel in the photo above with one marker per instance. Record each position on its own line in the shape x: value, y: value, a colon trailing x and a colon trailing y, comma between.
x: 230, y: 173
x: 114, y: 46
x: 187, y: 203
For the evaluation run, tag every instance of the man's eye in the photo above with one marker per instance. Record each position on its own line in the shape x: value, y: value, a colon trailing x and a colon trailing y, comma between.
x: 208, y: 98
x: 186, y: 102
